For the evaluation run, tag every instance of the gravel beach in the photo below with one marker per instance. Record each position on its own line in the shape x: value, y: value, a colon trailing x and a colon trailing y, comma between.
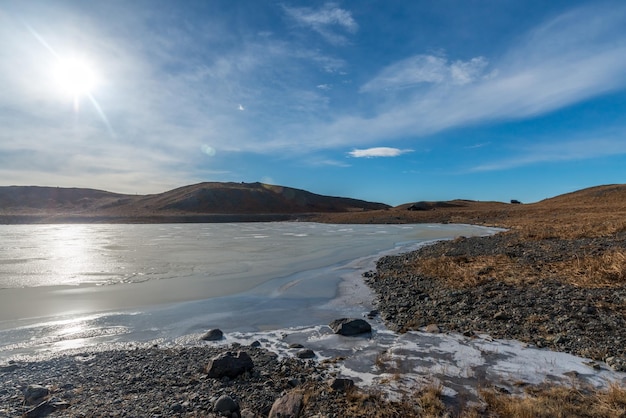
x: 547, y: 311
x: 163, y: 382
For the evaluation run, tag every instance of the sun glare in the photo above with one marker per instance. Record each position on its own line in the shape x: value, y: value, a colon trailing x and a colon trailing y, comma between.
x: 75, y: 77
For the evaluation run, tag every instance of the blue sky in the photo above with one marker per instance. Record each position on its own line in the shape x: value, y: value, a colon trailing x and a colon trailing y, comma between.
x: 390, y: 101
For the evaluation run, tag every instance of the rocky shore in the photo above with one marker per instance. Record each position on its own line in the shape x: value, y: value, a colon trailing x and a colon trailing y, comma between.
x: 547, y: 311
x: 165, y: 382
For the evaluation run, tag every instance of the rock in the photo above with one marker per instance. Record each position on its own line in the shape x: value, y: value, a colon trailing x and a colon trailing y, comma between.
x: 350, y: 326
x: 255, y: 343
x: 34, y: 394
x: 246, y: 413
x: 306, y: 353
x: 229, y: 364
x: 46, y: 408
x: 432, y: 328
x: 296, y: 345
x: 500, y: 316
x: 289, y: 406
x: 589, y: 310
x: 215, y: 334
x: 9, y: 368
x: 225, y: 405
x: 617, y: 363
x: 341, y: 384
x: 372, y: 314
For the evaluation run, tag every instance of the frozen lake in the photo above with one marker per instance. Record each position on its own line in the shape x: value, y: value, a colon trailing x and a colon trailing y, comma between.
x: 77, y: 287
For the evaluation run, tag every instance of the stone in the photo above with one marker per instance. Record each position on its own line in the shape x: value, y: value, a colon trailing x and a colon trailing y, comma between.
x: 229, y: 365
x: 288, y: 406
x: 9, y: 368
x: 306, y: 353
x: 296, y: 345
x: 617, y: 363
x: 215, y: 334
x: 589, y: 310
x: 246, y: 413
x: 225, y: 405
x: 372, y: 314
x: 341, y: 384
x: 255, y: 344
x: 350, y: 326
x: 34, y: 394
x: 46, y: 408
x: 432, y: 328
x: 500, y: 316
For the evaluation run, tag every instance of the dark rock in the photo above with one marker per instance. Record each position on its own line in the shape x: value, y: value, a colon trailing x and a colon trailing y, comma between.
x: 350, y: 326
x: 341, y: 384
x: 225, y: 405
x: 289, y: 406
x: 255, y: 343
x: 215, y: 334
x: 34, y: 394
x: 9, y: 368
x: 589, y: 310
x: 46, y: 408
x: 500, y: 316
x: 296, y: 345
x: 229, y: 364
x: 306, y: 353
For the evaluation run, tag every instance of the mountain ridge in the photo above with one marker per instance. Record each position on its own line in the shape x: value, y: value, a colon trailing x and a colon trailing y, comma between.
x: 208, y: 198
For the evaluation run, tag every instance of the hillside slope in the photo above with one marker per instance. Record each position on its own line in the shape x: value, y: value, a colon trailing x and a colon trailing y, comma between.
x: 24, y: 204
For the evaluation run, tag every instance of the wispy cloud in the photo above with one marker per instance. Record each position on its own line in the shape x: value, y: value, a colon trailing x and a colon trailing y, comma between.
x: 420, y: 69
x: 378, y: 152
x: 552, y: 152
x: 567, y: 60
x: 330, y: 21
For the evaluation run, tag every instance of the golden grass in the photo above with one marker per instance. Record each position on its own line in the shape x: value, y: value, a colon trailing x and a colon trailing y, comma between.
x: 460, y: 272
x: 606, y: 269
x: 425, y: 403
x: 557, y: 401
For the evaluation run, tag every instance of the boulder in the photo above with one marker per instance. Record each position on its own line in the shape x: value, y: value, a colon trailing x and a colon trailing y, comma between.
x: 340, y: 384
x: 350, y: 326
x: 229, y: 364
x: 46, y: 408
x: 215, y: 334
x: 225, y: 405
x: 289, y: 406
x: 34, y: 394
x: 306, y: 353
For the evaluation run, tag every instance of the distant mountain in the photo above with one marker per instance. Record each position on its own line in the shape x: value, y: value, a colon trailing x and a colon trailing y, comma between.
x: 74, y: 204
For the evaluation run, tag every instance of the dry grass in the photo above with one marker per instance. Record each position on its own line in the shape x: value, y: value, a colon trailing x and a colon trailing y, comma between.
x: 557, y: 401
x: 602, y: 270
x: 425, y: 403
x: 606, y: 269
x: 460, y: 272
x: 537, y: 402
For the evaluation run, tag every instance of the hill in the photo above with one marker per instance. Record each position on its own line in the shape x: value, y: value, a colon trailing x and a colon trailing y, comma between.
x: 203, y: 202
x: 594, y: 211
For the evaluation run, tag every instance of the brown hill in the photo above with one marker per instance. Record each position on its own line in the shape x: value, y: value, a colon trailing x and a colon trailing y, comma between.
x: 595, y: 211
x: 204, y: 202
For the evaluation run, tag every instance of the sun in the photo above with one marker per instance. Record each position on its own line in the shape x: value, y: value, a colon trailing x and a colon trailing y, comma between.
x: 75, y: 77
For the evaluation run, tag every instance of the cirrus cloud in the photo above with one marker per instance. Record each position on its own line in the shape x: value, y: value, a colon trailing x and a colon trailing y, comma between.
x: 378, y: 152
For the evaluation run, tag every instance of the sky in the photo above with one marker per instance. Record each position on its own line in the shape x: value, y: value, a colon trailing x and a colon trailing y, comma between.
x: 390, y: 101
